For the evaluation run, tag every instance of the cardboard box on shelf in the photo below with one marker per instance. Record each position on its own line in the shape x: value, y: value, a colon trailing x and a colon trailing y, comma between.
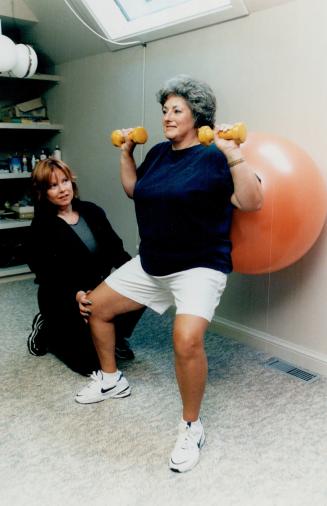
x: 23, y: 212
x: 33, y: 107
x: 35, y: 110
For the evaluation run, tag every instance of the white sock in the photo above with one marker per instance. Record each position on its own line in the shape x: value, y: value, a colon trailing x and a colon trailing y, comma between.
x: 197, y: 424
x: 110, y: 378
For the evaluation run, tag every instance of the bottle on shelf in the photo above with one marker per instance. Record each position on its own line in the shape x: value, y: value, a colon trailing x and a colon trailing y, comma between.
x: 15, y: 165
x: 24, y: 163
x: 57, y: 153
x: 43, y: 155
x: 33, y: 162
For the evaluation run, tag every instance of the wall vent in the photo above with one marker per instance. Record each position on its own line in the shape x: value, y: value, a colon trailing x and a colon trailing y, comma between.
x: 285, y: 367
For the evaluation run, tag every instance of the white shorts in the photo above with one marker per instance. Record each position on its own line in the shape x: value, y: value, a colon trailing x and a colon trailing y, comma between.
x: 194, y: 291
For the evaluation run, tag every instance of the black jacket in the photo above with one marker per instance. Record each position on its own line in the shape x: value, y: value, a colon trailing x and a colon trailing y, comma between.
x: 61, y: 261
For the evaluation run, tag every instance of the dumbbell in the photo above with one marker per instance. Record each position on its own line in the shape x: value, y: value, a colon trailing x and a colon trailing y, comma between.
x: 237, y: 133
x: 138, y: 135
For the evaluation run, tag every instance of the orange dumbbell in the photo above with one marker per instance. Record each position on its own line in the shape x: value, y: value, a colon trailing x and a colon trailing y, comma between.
x: 138, y: 135
x: 237, y: 133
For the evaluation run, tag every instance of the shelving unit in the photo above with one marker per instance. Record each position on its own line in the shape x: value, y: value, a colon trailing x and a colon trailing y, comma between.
x: 20, y: 137
x: 32, y: 126
x: 17, y: 175
x: 15, y: 270
x: 9, y: 223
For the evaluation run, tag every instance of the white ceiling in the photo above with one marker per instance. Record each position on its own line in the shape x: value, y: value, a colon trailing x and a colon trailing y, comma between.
x: 58, y: 36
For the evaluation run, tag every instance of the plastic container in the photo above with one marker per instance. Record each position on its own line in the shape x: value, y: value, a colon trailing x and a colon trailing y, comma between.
x: 15, y: 164
x: 57, y: 153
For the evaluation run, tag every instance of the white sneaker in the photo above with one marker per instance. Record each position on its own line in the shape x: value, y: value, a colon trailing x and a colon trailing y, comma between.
x: 97, y: 391
x: 186, y: 452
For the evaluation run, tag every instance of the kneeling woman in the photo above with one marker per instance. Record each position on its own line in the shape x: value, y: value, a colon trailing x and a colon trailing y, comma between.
x: 71, y: 247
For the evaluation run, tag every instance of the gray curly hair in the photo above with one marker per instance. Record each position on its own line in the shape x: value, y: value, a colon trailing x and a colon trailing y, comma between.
x: 197, y: 94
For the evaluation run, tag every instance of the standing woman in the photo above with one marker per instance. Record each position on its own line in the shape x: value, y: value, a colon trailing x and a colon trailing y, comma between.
x: 184, y: 195
x: 71, y: 247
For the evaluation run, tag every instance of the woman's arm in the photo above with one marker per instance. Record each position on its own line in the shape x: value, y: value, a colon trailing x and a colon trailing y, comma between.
x: 248, y: 195
x: 128, y: 165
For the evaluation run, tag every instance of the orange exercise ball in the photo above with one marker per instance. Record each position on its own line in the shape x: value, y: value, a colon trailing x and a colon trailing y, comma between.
x: 293, y: 212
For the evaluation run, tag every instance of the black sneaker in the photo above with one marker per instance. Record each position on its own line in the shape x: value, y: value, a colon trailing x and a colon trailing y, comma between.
x: 36, y: 341
x: 123, y: 350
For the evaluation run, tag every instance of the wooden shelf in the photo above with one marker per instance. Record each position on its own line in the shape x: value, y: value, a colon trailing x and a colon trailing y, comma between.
x: 14, y: 271
x: 37, y: 77
x: 31, y: 126
x: 15, y: 175
x: 8, y: 223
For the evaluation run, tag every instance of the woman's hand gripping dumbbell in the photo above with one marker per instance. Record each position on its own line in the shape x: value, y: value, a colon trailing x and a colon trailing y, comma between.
x: 237, y: 133
x: 138, y: 135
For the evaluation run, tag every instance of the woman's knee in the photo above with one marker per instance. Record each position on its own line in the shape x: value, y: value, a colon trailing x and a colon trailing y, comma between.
x: 188, y: 335
x: 188, y: 344
x: 106, y: 304
x: 103, y: 301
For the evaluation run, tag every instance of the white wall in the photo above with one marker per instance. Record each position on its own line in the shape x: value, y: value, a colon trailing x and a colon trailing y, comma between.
x: 268, y: 70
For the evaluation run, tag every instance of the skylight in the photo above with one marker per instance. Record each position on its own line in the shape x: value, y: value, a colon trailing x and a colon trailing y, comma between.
x: 146, y: 20
x: 135, y: 9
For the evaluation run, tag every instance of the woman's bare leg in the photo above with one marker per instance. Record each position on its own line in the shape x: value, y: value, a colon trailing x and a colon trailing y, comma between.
x: 190, y: 362
x: 106, y: 304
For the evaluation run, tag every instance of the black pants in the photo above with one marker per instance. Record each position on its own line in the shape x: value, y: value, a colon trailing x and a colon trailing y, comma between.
x: 69, y: 337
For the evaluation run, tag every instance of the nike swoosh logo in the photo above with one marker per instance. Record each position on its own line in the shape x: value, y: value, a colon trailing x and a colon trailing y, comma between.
x: 105, y: 390
x: 177, y: 463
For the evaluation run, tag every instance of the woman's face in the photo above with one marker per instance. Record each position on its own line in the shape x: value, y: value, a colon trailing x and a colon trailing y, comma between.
x: 60, y: 191
x: 177, y: 120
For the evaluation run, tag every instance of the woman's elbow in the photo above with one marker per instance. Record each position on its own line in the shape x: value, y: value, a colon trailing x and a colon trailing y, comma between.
x: 129, y: 190
x: 255, y: 207
x: 256, y: 203
x: 259, y: 198
x: 253, y: 203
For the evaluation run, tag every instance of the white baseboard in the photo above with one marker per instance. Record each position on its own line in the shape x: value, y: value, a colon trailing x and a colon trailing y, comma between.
x: 298, y: 355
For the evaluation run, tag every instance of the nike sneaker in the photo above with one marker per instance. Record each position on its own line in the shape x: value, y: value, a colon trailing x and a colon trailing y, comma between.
x: 97, y: 390
x: 186, y: 452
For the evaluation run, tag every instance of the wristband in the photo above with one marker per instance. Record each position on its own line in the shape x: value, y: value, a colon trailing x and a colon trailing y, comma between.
x: 236, y: 162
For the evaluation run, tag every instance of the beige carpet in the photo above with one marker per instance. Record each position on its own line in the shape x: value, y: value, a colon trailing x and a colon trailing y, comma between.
x: 266, y: 432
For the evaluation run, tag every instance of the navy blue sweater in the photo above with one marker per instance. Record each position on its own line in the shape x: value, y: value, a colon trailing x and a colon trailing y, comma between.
x: 183, y: 209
